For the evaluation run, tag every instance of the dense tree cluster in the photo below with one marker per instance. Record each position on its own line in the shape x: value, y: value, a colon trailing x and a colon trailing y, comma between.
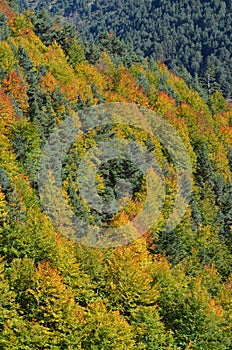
x: 195, y: 35
x: 161, y: 291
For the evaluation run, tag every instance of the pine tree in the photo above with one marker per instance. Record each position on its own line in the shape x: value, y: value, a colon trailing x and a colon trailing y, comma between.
x: 4, y: 29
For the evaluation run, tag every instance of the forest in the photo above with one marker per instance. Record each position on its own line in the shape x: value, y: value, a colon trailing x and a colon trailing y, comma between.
x: 193, y: 38
x: 169, y: 290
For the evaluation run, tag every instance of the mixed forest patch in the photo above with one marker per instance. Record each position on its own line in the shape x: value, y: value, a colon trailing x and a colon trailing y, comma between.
x: 162, y: 291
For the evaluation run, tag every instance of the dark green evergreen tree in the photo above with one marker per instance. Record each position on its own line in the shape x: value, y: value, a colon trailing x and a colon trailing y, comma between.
x: 4, y: 28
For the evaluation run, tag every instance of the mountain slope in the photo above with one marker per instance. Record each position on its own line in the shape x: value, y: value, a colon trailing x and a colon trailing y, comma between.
x: 195, y: 35
x: 165, y: 290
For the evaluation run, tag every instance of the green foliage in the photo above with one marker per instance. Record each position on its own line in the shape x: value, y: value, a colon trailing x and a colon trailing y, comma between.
x: 4, y: 29
x: 7, y: 300
x: 106, y: 330
x: 189, y: 34
x: 27, y: 146
x: 151, y: 332
x: 76, y: 53
x: 162, y: 291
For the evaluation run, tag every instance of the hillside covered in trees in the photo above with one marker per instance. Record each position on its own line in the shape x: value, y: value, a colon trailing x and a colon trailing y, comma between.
x: 163, y: 290
x: 188, y: 36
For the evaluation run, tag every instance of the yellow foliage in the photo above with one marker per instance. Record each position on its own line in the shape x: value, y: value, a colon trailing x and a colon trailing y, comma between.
x: 56, y: 61
x: 3, y: 208
x: 91, y: 75
x: 7, y: 57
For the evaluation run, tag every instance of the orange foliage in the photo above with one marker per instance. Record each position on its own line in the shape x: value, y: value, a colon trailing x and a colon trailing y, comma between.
x: 217, y: 309
x: 6, y: 107
x: 61, y: 301
x: 13, y: 84
x: 120, y: 218
x: 26, y: 33
x: 128, y: 88
x: 47, y: 273
x: 226, y: 133
x: 5, y: 8
x: 165, y: 105
x: 77, y: 87
x: 48, y: 82
x: 114, y: 97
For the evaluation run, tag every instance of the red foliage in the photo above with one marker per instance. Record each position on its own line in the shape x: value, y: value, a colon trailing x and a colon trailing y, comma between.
x: 4, y: 8
x: 13, y: 84
x: 6, y: 107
